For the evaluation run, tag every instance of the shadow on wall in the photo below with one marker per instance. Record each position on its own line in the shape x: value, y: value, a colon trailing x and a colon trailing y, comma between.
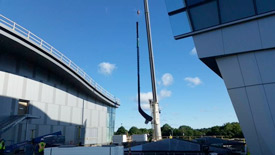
x: 62, y: 101
x: 31, y: 128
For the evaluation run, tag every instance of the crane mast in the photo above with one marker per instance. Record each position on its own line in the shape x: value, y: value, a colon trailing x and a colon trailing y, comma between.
x: 153, y: 103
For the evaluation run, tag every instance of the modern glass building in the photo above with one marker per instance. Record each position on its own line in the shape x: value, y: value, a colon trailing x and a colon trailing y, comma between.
x: 236, y: 39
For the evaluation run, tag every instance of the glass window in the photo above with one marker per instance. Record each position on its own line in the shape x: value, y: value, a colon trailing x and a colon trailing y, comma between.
x: 205, y: 15
x: 173, y: 5
x: 236, y: 9
x: 265, y: 5
x: 180, y: 23
x: 193, y: 2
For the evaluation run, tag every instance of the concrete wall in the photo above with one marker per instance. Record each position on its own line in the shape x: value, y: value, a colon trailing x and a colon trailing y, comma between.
x: 61, y: 105
x: 245, y: 55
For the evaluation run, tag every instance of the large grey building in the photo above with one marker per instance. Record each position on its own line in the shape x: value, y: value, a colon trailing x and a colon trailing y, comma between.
x: 236, y: 39
x: 39, y: 82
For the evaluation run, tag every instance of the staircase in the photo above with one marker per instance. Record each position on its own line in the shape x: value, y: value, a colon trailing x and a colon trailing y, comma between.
x: 12, y: 121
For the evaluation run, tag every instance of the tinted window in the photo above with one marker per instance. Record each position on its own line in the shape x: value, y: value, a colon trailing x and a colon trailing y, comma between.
x: 205, y: 15
x: 180, y: 23
x: 265, y: 5
x: 236, y: 9
x: 173, y: 5
x: 193, y: 2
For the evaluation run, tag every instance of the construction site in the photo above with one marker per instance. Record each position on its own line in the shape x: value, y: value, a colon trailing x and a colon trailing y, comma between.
x: 49, y: 105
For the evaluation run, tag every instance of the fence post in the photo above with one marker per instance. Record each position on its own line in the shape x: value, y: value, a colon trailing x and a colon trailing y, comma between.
x: 29, y: 35
x: 13, y: 26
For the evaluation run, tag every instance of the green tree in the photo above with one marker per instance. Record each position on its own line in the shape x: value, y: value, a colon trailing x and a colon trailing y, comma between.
x: 214, y: 131
x: 197, y: 133
x: 144, y: 131
x: 150, y: 131
x: 176, y: 132
x: 134, y: 130
x: 121, y: 131
x: 186, y: 130
x: 232, y: 130
x: 166, y: 130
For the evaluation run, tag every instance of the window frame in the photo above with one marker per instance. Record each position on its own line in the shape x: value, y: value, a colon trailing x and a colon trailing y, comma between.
x: 220, y: 24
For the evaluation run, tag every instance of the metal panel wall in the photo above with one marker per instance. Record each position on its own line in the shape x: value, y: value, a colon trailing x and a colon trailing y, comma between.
x: 243, y: 37
x: 58, y: 104
x: 252, y: 97
x: 245, y: 55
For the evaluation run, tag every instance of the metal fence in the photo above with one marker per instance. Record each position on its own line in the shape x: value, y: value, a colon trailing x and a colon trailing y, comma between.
x: 54, y: 52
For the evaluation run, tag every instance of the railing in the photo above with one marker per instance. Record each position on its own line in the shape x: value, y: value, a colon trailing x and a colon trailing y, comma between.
x: 54, y: 52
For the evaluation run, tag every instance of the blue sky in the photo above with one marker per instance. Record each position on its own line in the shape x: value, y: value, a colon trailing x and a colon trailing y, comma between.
x: 100, y: 37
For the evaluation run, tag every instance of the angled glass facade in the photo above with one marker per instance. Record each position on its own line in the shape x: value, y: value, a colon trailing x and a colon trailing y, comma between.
x: 111, y: 114
x: 193, y: 15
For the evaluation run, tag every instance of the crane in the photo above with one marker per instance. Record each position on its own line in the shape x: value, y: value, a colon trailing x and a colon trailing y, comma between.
x: 154, y: 106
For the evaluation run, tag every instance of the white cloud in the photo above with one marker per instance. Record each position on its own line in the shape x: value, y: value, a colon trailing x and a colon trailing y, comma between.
x: 145, y: 106
x: 193, y: 51
x: 165, y: 93
x: 106, y: 68
x: 192, y: 82
x: 167, y: 79
x: 145, y: 97
x: 144, y: 100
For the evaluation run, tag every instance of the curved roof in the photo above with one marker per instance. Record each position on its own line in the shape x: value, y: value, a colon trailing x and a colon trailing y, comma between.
x: 26, y: 37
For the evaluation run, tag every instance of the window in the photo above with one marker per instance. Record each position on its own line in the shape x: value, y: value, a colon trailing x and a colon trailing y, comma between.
x: 205, y: 15
x: 22, y: 107
x: 265, y: 5
x: 173, y: 5
x: 193, y: 2
x: 236, y: 9
x: 192, y: 15
x: 180, y: 23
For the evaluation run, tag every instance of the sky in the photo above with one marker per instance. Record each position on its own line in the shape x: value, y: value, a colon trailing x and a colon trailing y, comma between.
x: 100, y: 37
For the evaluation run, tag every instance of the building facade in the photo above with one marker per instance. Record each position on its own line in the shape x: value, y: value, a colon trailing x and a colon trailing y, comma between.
x: 236, y: 39
x: 39, y: 81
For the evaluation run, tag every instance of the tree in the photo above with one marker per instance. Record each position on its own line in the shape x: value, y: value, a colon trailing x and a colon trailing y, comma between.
x: 177, y: 132
x: 121, y: 131
x: 197, y: 133
x: 166, y: 130
x: 144, y: 131
x: 214, y: 131
x: 134, y: 130
x: 232, y: 130
x: 187, y: 130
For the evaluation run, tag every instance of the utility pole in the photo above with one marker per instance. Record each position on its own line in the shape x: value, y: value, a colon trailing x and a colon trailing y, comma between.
x: 154, y: 103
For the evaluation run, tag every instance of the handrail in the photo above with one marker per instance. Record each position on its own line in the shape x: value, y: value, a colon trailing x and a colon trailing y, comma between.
x: 54, y: 52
